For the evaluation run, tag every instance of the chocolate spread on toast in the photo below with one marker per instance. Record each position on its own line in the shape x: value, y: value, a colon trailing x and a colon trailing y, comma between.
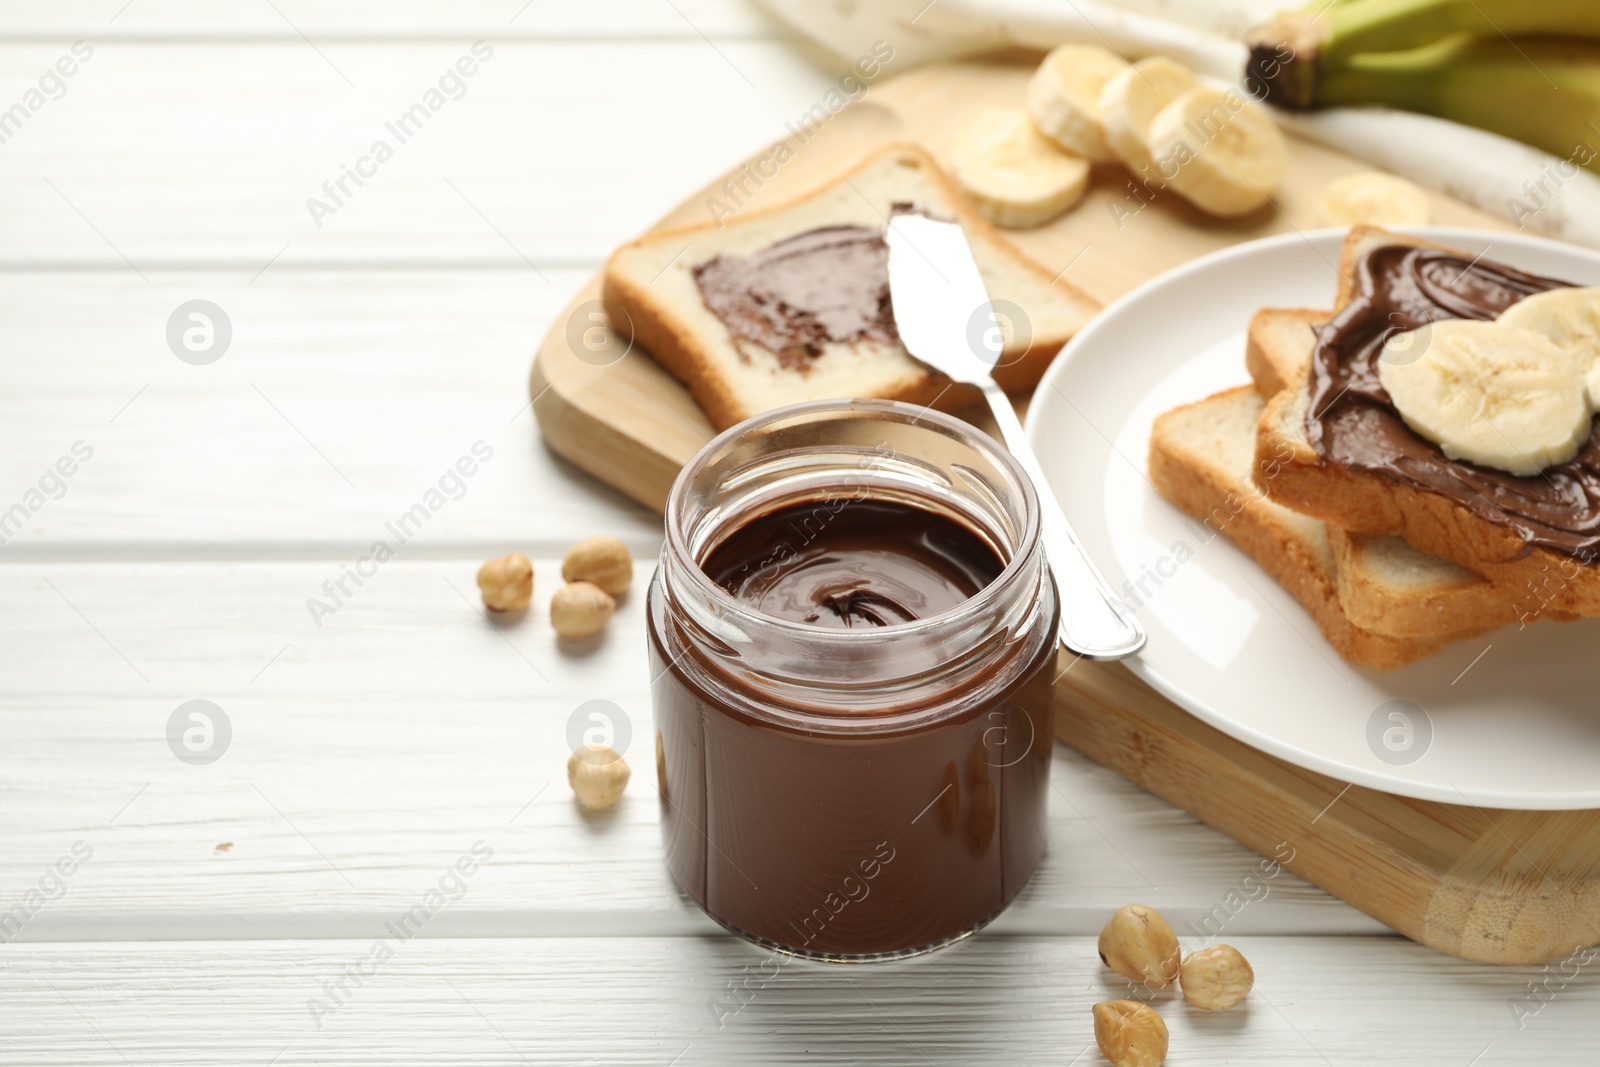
x: 829, y: 285
x: 1353, y: 423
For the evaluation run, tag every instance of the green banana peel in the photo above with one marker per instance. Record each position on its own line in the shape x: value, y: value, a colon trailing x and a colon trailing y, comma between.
x: 1542, y: 91
x: 1394, y: 25
x: 1290, y: 56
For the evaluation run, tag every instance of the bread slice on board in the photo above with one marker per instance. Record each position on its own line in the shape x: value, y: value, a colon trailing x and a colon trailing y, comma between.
x: 1385, y: 585
x: 650, y: 289
x: 1533, y: 580
x: 1201, y: 459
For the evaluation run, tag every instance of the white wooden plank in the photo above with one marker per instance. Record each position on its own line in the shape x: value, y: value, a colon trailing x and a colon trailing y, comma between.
x: 370, y: 753
x: 323, y: 20
x: 340, y: 401
x: 993, y: 999
x: 548, y: 153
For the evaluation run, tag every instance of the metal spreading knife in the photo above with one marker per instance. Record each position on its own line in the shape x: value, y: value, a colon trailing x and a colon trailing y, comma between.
x: 938, y: 295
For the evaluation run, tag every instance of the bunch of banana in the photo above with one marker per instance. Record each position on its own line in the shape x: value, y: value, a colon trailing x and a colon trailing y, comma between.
x: 1526, y: 69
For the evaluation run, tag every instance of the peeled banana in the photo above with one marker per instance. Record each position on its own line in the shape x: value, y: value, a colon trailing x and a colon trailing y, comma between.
x: 1130, y: 101
x: 1488, y: 393
x: 1015, y: 175
x: 1371, y: 198
x: 1064, y: 98
x: 1570, y: 318
x: 1218, y: 151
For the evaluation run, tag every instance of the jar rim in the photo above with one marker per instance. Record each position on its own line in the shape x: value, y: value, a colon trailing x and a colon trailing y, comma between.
x: 1028, y: 528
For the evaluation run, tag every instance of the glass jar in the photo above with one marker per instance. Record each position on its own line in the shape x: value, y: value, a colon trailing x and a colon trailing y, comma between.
x: 866, y: 793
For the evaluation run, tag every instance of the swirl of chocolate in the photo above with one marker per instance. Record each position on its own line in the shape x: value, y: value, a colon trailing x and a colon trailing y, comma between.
x: 1353, y: 422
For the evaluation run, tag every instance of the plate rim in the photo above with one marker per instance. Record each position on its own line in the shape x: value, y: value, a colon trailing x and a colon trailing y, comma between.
x: 1296, y: 756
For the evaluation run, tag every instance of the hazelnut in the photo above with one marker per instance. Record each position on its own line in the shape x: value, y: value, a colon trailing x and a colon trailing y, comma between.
x: 597, y: 776
x: 1130, y: 1034
x: 506, y: 583
x: 602, y: 561
x: 580, y: 610
x: 1139, y: 945
x: 1216, y: 978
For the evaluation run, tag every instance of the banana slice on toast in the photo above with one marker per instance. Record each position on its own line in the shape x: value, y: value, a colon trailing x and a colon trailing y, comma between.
x: 1491, y: 394
x: 1570, y: 318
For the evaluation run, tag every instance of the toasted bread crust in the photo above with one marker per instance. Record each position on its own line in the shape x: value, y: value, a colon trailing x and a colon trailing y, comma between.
x: 1269, y: 368
x: 676, y: 346
x: 1425, y: 607
x: 1536, y: 580
x: 1181, y: 475
x: 672, y: 345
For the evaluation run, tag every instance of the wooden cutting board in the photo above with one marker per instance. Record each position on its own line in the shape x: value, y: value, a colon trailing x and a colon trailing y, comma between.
x: 1494, y: 886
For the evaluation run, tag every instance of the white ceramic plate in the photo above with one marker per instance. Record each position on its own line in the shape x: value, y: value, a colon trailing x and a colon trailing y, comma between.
x: 1510, y: 720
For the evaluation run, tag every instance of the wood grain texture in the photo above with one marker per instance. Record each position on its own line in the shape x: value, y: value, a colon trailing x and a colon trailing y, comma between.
x: 1114, y: 240
x: 343, y: 398
x: 509, y: 169
x: 374, y: 20
x: 715, y: 1000
x: 368, y: 754
x: 1489, y: 885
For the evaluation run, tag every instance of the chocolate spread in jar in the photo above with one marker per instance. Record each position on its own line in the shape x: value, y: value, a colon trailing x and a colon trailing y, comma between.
x: 1352, y: 421
x: 829, y: 285
x: 853, y: 842
x: 874, y: 563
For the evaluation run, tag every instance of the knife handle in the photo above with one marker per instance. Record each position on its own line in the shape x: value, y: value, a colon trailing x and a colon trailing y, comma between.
x: 1094, y: 622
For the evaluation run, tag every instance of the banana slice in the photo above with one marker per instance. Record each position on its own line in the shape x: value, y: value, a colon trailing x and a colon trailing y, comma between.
x: 1064, y: 98
x: 1013, y: 173
x: 1372, y: 198
x: 1570, y: 318
x: 1218, y: 150
x: 1496, y: 395
x: 1131, y: 100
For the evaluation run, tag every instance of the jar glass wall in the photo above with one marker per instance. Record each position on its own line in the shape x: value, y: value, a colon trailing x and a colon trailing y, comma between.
x: 860, y: 791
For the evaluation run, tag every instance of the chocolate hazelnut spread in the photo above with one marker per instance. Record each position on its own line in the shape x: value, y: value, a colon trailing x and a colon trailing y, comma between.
x: 876, y: 563
x: 829, y: 285
x: 885, y: 829
x: 1353, y: 422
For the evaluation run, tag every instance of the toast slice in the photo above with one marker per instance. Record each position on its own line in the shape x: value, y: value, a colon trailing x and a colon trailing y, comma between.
x: 1277, y: 350
x: 1533, y: 580
x: 1385, y: 585
x: 1201, y: 459
x: 650, y: 290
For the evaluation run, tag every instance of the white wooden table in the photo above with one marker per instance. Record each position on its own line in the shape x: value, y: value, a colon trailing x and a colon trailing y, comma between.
x: 233, y: 912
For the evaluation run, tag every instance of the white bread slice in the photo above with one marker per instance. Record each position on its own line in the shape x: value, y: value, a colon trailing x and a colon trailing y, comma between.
x: 1388, y: 586
x: 1534, y: 581
x: 1385, y: 585
x: 1201, y: 459
x: 1277, y: 350
x: 649, y: 287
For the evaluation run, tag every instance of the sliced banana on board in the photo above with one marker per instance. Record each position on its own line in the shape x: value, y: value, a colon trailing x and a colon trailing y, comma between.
x: 1218, y: 150
x: 1014, y: 174
x: 1495, y: 395
x: 1372, y: 198
x: 1064, y: 98
x: 1570, y: 318
x: 1129, y: 103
